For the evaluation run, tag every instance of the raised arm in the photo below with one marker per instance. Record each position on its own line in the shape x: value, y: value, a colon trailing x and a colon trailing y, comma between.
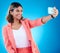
x: 43, y: 20
x: 47, y: 18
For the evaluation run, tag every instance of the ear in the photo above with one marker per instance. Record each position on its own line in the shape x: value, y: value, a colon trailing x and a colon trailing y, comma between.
x: 11, y: 12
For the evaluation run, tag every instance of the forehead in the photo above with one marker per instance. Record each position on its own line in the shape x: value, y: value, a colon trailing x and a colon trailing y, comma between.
x: 19, y: 8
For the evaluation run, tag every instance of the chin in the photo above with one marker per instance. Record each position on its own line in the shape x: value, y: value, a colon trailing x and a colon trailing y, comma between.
x: 18, y: 18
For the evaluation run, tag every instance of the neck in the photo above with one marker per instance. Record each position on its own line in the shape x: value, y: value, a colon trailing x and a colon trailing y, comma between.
x: 16, y: 22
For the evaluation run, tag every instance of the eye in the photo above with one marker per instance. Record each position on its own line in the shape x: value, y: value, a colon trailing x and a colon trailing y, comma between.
x: 17, y: 10
x: 21, y: 10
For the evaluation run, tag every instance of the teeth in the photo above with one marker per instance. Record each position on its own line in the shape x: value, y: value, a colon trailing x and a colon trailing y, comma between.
x: 19, y: 15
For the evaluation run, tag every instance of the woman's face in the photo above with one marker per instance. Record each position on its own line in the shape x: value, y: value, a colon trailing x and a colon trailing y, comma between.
x: 17, y: 13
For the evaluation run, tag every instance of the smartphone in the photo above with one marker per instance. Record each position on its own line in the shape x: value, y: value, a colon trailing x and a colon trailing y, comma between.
x: 50, y: 10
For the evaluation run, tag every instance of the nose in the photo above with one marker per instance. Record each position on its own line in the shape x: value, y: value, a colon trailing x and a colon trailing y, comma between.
x: 20, y: 13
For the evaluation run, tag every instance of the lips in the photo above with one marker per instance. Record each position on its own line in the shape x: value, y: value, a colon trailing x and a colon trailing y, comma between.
x: 18, y: 16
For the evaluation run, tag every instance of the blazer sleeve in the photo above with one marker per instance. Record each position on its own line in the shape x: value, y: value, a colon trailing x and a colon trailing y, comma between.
x: 34, y: 23
x: 6, y: 41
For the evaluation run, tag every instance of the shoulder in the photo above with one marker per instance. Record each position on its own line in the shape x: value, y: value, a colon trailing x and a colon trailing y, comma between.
x: 4, y: 27
x: 25, y: 19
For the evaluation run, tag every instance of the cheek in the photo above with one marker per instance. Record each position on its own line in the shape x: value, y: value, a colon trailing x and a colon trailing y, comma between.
x: 14, y: 14
x: 17, y: 16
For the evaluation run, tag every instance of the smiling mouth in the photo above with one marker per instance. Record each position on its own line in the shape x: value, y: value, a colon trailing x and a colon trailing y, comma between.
x: 18, y: 15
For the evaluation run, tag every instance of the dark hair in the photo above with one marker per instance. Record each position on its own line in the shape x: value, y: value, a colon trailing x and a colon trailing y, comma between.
x: 12, y: 7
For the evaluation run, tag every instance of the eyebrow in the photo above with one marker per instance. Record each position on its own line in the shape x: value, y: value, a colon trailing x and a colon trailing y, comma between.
x: 18, y: 9
x: 12, y: 8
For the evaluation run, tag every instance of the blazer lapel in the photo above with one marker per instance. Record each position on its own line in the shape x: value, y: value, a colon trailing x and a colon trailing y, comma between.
x: 11, y: 38
x: 26, y: 29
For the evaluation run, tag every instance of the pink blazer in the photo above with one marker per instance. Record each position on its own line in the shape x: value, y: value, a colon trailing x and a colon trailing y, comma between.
x: 9, y: 39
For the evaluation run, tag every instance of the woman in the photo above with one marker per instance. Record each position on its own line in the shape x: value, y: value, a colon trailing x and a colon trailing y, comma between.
x: 17, y: 34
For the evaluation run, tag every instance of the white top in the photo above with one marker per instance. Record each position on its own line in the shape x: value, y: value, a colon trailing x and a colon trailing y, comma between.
x: 20, y: 37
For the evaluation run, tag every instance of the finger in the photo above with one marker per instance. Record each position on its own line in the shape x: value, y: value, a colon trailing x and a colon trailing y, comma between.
x: 55, y: 10
x: 56, y: 13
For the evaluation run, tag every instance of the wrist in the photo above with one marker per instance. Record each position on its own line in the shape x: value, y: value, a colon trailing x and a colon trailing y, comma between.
x: 52, y: 16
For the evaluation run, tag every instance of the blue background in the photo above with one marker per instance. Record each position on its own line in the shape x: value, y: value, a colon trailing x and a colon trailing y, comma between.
x: 47, y: 36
